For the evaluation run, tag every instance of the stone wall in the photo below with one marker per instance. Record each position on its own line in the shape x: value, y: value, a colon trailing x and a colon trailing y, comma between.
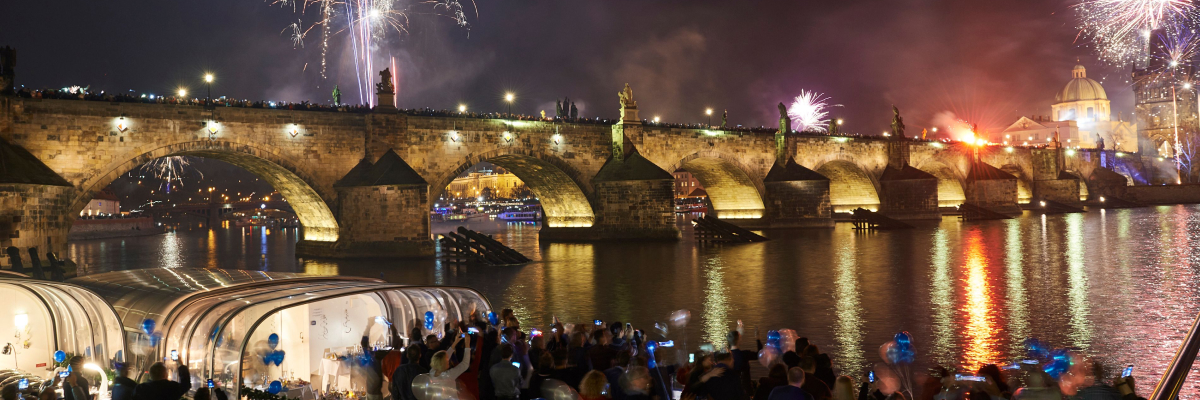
x: 1064, y: 191
x: 115, y: 227
x: 384, y: 221
x: 34, y: 216
x: 997, y: 195
x: 1164, y: 194
x: 799, y: 204
x: 909, y: 199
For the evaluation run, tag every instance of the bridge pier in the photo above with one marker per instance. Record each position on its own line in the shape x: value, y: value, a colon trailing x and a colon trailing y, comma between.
x: 796, y: 197
x: 991, y: 188
x: 383, y: 211
x: 906, y: 192
x: 634, y: 200
x: 1049, y: 180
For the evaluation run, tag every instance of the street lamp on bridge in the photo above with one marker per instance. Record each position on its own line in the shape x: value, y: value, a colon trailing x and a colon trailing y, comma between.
x: 508, y: 98
x: 708, y: 112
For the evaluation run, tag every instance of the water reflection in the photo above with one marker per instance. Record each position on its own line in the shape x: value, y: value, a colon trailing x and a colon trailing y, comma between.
x: 1081, y: 330
x: 715, y: 317
x: 848, y: 324
x: 1018, y: 315
x: 1122, y: 283
x: 941, y: 300
x: 979, y: 328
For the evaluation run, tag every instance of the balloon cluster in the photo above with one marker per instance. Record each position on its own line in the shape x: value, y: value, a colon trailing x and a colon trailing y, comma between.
x: 900, y: 350
x: 429, y: 320
x: 273, y: 356
x: 778, y: 342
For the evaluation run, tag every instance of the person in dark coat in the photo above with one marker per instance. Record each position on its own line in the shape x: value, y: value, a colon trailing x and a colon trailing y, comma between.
x: 792, y: 390
x: 161, y: 387
x: 402, y: 377
x: 123, y: 387
x: 76, y: 380
x: 742, y: 359
x: 727, y: 385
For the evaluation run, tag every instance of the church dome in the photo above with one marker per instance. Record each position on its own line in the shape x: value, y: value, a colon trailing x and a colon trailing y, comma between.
x: 1081, y: 88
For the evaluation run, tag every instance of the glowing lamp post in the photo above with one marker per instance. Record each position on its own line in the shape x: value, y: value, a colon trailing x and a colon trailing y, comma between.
x: 708, y: 112
x: 182, y: 92
x: 208, y: 80
x: 508, y: 98
x: 462, y: 108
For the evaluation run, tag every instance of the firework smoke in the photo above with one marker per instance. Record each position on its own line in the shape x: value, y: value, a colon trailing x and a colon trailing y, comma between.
x: 808, y: 112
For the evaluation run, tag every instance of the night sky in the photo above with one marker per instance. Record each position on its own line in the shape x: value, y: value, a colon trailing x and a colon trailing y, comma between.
x: 987, y: 62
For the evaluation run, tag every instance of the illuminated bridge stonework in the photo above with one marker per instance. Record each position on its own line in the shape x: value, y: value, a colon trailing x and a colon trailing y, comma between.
x: 362, y: 184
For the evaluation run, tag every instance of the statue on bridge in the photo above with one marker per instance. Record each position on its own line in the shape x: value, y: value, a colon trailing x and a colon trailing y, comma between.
x: 385, y: 85
x: 785, y: 122
x: 833, y: 128
x: 725, y: 118
x: 337, y: 96
x: 897, y: 124
x: 629, y: 110
x: 1099, y: 143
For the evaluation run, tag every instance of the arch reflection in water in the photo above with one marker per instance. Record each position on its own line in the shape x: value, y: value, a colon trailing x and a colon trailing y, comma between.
x: 213, y: 319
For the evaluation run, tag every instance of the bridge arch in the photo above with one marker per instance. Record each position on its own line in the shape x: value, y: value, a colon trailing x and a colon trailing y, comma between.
x: 950, y: 182
x: 308, y: 200
x: 564, y: 199
x: 1024, y: 187
x: 733, y: 193
x: 850, y: 186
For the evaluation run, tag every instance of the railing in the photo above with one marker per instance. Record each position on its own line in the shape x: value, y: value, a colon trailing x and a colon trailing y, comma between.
x: 1177, y: 372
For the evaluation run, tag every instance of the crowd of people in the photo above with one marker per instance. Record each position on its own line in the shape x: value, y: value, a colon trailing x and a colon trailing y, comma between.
x: 498, y: 360
x: 492, y: 358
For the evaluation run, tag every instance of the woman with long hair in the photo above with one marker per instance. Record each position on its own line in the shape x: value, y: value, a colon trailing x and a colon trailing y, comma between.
x: 439, y: 365
x: 594, y: 386
x: 843, y: 388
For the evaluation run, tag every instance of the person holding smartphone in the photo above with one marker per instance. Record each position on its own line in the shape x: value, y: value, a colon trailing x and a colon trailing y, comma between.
x: 506, y: 375
x: 123, y: 386
x: 74, y: 383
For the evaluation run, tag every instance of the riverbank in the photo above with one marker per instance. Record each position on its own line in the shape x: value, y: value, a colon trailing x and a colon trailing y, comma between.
x: 85, y: 229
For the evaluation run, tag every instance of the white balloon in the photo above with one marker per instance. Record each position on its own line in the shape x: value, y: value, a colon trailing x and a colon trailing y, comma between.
x: 553, y: 389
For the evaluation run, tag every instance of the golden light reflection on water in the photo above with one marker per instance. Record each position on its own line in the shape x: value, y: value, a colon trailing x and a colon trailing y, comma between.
x: 212, y: 248
x: 980, y: 328
x: 716, y: 302
x: 1077, y: 281
x: 848, y: 327
x: 940, y: 299
x: 1018, y: 314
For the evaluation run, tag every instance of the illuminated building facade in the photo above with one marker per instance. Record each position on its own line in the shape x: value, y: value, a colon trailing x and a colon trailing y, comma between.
x: 1082, y: 116
x: 500, y: 185
x: 1164, y: 97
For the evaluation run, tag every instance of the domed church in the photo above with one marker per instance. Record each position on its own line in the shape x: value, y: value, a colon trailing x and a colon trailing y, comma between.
x: 1081, y: 115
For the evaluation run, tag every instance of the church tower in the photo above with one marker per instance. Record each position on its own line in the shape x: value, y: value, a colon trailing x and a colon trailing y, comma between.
x: 1164, y: 97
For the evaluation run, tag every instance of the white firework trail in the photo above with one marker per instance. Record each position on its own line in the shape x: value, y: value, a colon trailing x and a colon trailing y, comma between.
x: 169, y: 170
x: 1119, y: 30
x: 808, y: 112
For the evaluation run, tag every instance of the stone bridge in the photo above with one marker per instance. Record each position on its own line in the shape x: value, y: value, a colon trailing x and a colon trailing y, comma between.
x: 361, y: 184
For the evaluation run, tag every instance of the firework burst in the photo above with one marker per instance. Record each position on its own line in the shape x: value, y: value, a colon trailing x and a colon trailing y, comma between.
x: 169, y: 170
x: 808, y: 112
x: 366, y: 24
x: 1120, y: 29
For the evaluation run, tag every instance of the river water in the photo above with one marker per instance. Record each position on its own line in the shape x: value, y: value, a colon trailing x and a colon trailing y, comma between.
x: 1122, y: 284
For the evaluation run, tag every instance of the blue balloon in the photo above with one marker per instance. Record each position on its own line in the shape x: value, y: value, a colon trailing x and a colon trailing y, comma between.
x: 493, y: 319
x: 154, y: 339
x: 60, y: 356
x: 429, y: 320
x: 1060, y: 362
x: 279, y: 357
x: 148, y: 326
x: 275, y: 387
x: 773, y: 338
x: 273, y: 341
